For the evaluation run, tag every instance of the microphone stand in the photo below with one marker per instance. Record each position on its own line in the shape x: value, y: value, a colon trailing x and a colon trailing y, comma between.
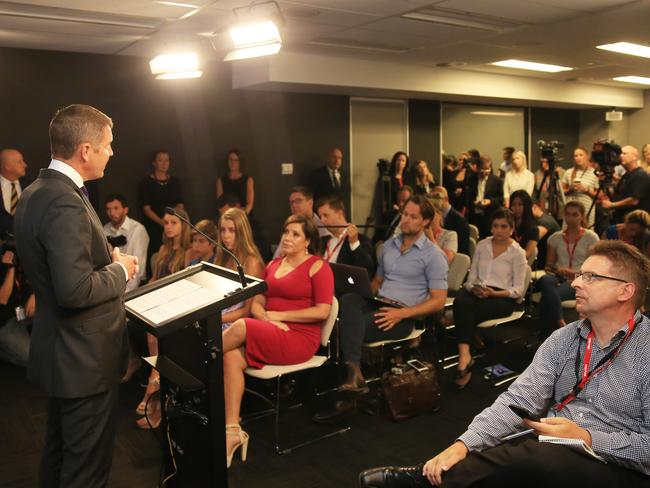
x: 240, y: 268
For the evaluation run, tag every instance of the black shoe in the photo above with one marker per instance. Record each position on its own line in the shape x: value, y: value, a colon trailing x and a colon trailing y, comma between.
x: 462, y: 374
x: 355, y: 382
x: 340, y: 410
x: 394, y: 477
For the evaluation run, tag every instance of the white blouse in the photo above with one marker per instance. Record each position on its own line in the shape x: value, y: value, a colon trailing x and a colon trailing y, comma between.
x: 507, y: 271
x: 514, y: 181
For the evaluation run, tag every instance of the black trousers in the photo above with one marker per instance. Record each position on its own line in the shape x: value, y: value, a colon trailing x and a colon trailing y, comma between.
x: 357, y: 325
x: 528, y: 463
x: 469, y: 310
x: 79, y: 441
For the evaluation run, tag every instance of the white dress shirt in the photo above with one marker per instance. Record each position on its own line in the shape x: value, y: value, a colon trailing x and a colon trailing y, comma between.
x: 137, y: 241
x: 6, y: 191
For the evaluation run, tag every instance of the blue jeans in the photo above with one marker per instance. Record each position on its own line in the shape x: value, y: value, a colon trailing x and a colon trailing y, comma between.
x: 14, y: 342
x: 550, y: 306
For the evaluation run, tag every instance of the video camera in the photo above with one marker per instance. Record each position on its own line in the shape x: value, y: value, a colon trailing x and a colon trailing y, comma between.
x: 606, y: 154
x: 549, y: 150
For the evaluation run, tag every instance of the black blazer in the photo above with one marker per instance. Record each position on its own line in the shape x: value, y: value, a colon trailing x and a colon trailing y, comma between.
x: 361, y: 256
x: 79, y: 345
x: 321, y: 184
x: 493, y: 192
x: 459, y: 224
x: 6, y: 219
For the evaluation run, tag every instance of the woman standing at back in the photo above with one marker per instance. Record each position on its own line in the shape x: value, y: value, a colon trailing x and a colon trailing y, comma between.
x: 236, y: 182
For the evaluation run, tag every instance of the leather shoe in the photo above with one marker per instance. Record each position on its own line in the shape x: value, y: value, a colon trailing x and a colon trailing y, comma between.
x: 340, y: 410
x: 355, y: 382
x: 394, y: 477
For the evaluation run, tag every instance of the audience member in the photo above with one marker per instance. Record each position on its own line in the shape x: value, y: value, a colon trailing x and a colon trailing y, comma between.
x: 458, y: 182
x: 236, y: 236
x: 127, y: 234
x: 12, y: 168
x: 605, y: 355
x: 495, y: 283
x: 547, y: 226
x: 645, y: 161
x: 526, y: 233
x: 633, y: 189
x: 236, y: 182
x: 484, y: 197
x: 229, y: 200
x: 330, y: 179
x: 173, y: 255
x: 449, y: 168
x: 506, y: 164
x: 566, y: 251
x: 635, y: 230
x: 395, y: 215
x: 453, y: 220
x: 424, y: 180
x: 17, y: 307
x: 203, y: 249
x: 580, y: 183
x: 345, y: 245
x: 518, y: 178
x: 400, y: 174
x: 155, y: 192
x: 447, y: 240
x: 286, y: 320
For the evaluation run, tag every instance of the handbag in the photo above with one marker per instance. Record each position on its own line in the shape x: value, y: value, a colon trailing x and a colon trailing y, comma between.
x: 411, y: 389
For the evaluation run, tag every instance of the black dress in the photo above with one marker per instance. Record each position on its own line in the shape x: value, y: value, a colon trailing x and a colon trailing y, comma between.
x: 236, y: 187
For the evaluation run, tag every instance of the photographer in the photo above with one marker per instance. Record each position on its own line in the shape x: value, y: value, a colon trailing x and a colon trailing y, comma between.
x: 15, y: 312
x: 633, y: 190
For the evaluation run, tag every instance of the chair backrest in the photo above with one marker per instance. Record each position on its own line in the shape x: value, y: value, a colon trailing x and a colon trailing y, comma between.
x: 472, y: 247
x: 328, y: 325
x: 533, y: 257
x: 473, y: 232
x: 527, y: 282
x: 458, y: 269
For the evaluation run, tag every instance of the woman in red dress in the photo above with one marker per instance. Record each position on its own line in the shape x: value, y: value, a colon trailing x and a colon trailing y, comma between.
x: 285, y: 327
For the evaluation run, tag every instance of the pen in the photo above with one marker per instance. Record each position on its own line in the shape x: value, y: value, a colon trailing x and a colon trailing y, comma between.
x: 517, y: 434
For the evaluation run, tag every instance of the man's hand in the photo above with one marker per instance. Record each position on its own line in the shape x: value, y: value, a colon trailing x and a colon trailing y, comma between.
x: 606, y: 204
x: 30, y: 306
x: 8, y: 257
x: 560, y: 427
x: 443, y: 462
x: 353, y: 233
x: 479, y: 291
x: 129, y: 262
x: 389, y: 317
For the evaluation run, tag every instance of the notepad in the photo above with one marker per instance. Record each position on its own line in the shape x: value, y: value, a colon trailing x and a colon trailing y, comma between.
x: 572, y: 442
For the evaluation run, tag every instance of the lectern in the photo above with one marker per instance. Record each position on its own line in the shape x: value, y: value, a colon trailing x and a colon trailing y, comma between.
x: 183, y: 311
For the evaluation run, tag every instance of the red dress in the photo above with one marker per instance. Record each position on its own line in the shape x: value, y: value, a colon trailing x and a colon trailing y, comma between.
x: 266, y: 343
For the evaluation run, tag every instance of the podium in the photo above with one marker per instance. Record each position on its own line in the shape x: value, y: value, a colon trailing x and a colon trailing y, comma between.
x: 183, y: 311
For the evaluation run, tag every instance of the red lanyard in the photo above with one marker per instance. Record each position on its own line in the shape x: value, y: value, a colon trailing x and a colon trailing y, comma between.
x: 586, y: 375
x: 330, y: 253
x: 571, y: 251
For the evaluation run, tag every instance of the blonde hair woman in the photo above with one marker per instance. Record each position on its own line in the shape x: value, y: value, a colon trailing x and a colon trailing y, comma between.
x: 518, y: 178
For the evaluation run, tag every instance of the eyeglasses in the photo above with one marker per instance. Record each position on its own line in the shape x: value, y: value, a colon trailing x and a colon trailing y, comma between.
x: 589, y: 277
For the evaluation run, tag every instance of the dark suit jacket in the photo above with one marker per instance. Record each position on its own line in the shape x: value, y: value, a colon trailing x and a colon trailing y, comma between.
x: 459, y: 224
x: 493, y: 192
x: 361, y: 256
x: 321, y: 184
x: 79, y: 345
x: 6, y: 219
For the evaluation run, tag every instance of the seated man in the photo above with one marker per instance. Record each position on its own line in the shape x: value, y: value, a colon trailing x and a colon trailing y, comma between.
x: 345, y: 245
x: 202, y: 248
x: 452, y: 219
x: 594, y: 374
x: 411, y: 270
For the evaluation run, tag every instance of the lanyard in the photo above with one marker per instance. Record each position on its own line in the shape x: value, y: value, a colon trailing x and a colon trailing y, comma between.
x: 585, y: 374
x: 571, y: 251
x: 330, y: 252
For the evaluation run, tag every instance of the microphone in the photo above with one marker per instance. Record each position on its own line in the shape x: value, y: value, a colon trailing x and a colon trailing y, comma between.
x: 240, y: 268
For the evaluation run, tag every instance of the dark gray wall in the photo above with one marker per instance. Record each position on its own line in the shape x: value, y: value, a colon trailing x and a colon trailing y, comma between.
x: 197, y: 121
x: 550, y: 124
x: 424, y: 133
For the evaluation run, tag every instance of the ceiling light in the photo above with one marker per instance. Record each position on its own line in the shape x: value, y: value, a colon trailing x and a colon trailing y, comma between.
x: 518, y: 64
x: 627, y: 48
x: 253, y: 40
x: 633, y: 79
x: 175, y: 66
x: 176, y: 4
x: 498, y: 114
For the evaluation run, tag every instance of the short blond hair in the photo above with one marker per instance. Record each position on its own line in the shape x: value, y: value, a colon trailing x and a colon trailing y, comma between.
x: 76, y: 124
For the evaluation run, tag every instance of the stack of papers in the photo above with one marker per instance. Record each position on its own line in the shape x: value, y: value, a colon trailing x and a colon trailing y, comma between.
x: 571, y: 442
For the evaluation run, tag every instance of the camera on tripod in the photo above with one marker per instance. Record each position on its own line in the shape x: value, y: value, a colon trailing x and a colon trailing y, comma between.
x: 549, y: 150
x: 606, y: 153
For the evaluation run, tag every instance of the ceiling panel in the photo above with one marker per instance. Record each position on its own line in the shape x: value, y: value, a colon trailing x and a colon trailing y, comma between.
x: 144, y: 8
x: 437, y: 32
x: 64, y: 42
x: 521, y: 11
x: 42, y: 26
x: 585, y: 5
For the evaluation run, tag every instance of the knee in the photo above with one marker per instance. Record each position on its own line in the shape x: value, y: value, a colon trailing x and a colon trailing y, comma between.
x: 546, y: 283
x: 232, y: 361
x: 350, y: 301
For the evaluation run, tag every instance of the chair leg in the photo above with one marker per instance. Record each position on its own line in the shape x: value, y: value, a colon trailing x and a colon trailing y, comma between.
x: 277, y: 415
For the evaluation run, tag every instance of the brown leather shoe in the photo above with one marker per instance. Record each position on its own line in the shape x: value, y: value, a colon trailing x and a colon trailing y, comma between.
x: 355, y: 382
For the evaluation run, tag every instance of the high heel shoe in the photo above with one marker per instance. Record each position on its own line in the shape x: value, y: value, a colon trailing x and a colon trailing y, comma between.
x: 152, y: 387
x: 153, y: 416
x: 236, y: 430
x: 461, y: 374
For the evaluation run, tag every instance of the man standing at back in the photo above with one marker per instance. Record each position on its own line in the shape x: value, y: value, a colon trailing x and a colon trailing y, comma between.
x: 79, y: 345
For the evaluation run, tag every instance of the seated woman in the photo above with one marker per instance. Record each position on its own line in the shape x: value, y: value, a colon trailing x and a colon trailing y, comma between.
x: 635, y: 230
x: 565, y: 253
x: 236, y: 235
x: 285, y: 328
x: 495, y: 283
x: 174, y: 253
x: 447, y: 240
x: 526, y: 232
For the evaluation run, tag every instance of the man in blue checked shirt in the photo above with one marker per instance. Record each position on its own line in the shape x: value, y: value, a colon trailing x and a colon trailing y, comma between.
x: 590, y: 381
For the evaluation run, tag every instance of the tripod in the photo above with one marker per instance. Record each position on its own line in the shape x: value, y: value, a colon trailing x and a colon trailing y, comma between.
x: 554, y: 195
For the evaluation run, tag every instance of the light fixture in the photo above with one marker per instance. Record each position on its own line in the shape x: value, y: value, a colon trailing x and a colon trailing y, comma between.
x: 256, y: 31
x: 175, y: 66
x: 641, y: 80
x: 528, y: 65
x: 497, y: 114
x: 627, y: 48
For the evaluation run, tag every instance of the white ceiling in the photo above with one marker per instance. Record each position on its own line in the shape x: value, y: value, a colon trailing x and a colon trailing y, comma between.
x: 551, y: 31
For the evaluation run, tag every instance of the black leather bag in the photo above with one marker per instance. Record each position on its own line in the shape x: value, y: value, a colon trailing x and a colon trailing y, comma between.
x: 411, y: 389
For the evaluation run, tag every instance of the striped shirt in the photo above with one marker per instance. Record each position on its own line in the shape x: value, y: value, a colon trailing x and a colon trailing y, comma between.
x: 586, y: 177
x: 614, y: 405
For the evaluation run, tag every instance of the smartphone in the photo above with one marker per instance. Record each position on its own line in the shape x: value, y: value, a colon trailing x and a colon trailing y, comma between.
x: 523, y: 413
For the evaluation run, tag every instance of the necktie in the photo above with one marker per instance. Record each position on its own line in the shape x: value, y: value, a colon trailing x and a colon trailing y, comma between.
x: 335, y: 180
x: 14, y: 197
x: 84, y: 190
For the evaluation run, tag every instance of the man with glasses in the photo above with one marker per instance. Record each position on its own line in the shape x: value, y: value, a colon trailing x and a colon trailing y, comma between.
x: 590, y: 383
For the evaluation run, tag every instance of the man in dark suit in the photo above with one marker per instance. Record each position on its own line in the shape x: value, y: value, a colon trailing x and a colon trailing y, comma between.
x: 12, y: 167
x: 330, y: 179
x: 345, y: 245
x: 484, y: 197
x: 79, y: 345
x: 453, y: 220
